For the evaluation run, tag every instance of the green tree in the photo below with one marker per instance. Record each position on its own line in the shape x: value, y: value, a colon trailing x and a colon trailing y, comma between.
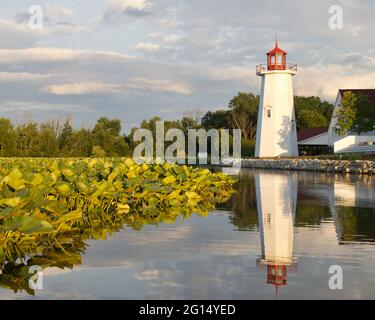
x: 365, y: 115
x: 189, y: 123
x: 106, y: 134
x: 150, y: 125
x: 311, y: 119
x: 346, y: 114
x: 27, y: 139
x: 65, y: 135
x: 244, y: 108
x: 7, y: 138
x: 80, y: 144
x: 98, y: 152
x: 48, y: 145
x: 316, y: 106
x: 220, y: 119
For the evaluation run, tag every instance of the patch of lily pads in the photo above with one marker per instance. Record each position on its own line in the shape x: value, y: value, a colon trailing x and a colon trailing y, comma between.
x: 50, y: 207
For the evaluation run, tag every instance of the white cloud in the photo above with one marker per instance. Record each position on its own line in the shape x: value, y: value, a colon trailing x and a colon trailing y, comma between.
x: 57, y: 11
x: 354, y: 30
x: 122, y: 10
x: 231, y: 73
x: 172, y: 39
x: 26, y: 106
x: 121, y: 4
x: 147, y: 46
x: 15, y: 34
x: 63, y: 28
x: 39, y: 54
x: 22, y: 76
x: 159, y: 85
x: 81, y: 88
x: 325, y: 81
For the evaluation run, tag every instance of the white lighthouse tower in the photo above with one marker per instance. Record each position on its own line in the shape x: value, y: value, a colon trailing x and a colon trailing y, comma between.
x: 276, y: 130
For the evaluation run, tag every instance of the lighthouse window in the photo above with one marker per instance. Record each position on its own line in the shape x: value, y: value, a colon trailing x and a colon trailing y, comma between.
x: 279, y: 59
x: 268, y: 218
x: 273, y: 60
x: 268, y: 113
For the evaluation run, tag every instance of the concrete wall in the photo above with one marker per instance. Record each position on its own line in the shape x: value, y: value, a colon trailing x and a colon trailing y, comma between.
x: 339, y: 166
x: 351, y: 141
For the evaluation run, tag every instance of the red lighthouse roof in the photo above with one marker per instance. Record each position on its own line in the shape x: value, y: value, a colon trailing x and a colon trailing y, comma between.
x: 276, y: 50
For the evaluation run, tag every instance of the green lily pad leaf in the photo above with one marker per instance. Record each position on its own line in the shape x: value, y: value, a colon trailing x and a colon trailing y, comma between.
x: 37, y: 180
x: 63, y: 188
x: 13, y: 179
x: 169, y: 180
x: 27, y: 224
x: 11, y: 202
x: 6, y: 212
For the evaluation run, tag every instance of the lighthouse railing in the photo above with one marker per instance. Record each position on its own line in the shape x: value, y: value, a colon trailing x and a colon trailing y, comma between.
x: 264, y: 67
x: 292, y: 66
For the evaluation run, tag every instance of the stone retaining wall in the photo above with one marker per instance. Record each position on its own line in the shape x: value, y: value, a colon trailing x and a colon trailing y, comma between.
x: 340, y: 166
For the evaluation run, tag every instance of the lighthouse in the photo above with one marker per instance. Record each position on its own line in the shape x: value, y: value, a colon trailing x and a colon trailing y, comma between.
x: 276, y: 204
x: 276, y: 129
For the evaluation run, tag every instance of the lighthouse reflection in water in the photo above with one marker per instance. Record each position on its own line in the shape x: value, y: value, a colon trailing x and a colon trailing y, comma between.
x: 276, y: 203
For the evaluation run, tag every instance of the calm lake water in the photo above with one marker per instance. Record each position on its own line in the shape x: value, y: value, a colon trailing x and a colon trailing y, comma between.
x: 275, y: 239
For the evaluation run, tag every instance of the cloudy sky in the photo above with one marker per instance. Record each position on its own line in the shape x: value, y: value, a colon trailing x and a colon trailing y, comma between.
x: 134, y: 59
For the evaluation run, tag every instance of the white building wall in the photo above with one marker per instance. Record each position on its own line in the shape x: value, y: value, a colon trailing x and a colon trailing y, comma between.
x: 321, y: 140
x: 276, y: 135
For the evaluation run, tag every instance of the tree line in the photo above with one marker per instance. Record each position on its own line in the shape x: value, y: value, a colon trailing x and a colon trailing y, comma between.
x: 55, y: 138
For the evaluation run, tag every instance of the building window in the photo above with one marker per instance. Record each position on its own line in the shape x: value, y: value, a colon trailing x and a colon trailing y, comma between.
x: 268, y: 113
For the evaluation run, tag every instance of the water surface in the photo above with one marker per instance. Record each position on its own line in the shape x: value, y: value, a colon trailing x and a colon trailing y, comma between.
x: 275, y: 239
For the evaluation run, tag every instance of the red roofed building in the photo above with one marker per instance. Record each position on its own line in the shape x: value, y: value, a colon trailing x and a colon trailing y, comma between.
x: 314, y: 141
x: 370, y: 93
x: 311, y: 133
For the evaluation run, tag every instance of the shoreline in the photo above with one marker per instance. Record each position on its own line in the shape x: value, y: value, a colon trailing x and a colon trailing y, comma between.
x: 336, y: 166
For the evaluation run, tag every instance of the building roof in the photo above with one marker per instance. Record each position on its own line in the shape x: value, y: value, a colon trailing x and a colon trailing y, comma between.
x: 370, y: 93
x: 308, y: 133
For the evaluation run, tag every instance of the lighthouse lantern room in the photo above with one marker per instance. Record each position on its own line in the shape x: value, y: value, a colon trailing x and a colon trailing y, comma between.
x: 276, y: 58
x: 276, y: 129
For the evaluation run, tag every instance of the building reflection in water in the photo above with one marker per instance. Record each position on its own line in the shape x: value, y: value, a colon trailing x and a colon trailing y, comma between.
x: 351, y: 202
x: 276, y: 195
